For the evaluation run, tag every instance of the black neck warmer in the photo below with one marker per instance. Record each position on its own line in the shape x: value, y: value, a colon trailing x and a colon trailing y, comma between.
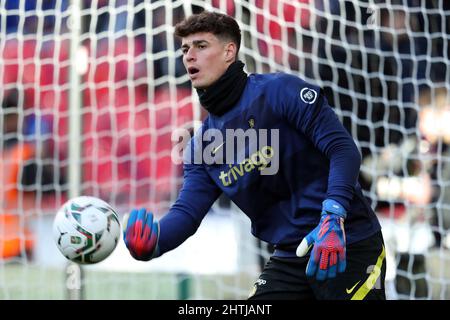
x: 223, y: 94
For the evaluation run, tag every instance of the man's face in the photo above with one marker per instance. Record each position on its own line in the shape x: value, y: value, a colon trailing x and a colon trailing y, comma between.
x: 206, y: 58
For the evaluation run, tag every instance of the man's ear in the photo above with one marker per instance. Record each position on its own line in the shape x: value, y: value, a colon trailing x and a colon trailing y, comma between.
x: 230, y: 51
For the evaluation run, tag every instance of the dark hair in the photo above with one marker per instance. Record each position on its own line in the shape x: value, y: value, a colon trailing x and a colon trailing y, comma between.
x: 221, y: 25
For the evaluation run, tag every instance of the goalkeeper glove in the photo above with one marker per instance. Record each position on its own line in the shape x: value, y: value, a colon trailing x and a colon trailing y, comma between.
x: 141, y: 233
x: 328, y: 238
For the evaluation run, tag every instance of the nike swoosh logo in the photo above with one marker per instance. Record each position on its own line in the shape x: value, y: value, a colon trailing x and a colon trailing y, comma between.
x: 352, y: 288
x: 217, y: 148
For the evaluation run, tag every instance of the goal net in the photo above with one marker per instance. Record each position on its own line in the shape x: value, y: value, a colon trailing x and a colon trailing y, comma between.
x: 383, y: 65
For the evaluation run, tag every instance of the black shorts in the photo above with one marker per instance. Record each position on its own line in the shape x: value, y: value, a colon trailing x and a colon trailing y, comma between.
x: 363, y: 278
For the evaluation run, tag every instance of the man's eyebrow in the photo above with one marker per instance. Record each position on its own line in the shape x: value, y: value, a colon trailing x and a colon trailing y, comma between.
x: 195, y: 43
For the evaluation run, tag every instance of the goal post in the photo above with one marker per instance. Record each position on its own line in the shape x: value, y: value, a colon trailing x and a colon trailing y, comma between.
x: 74, y: 272
x: 93, y: 91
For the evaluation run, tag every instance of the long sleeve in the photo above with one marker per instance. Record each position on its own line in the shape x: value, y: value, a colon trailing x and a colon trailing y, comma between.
x: 196, y: 197
x: 304, y: 106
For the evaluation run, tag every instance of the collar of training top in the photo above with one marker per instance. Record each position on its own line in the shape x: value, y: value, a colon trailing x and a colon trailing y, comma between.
x: 222, y: 95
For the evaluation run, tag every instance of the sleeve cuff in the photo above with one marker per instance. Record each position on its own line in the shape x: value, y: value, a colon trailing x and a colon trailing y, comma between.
x: 332, y: 206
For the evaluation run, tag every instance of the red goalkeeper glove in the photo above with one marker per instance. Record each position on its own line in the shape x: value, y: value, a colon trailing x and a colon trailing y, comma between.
x: 328, y: 254
x: 141, y: 233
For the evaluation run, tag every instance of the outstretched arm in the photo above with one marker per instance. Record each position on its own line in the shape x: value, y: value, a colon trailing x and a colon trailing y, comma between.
x: 146, y: 238
x: 196, y: 197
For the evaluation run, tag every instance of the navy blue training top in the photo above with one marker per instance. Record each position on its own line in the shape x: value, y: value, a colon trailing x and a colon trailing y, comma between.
x: 317, y: 159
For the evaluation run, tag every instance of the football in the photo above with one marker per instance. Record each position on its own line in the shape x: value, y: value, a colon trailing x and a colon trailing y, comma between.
x: 86, y: 229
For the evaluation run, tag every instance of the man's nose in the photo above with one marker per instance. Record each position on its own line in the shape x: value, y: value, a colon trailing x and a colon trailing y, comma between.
x: 190, y: 56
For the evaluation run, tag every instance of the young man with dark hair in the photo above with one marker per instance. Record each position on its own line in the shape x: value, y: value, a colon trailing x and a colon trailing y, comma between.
x: 327, y: 239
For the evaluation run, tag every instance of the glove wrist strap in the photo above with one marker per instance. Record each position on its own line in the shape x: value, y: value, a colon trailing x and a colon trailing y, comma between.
x: 330, y: 206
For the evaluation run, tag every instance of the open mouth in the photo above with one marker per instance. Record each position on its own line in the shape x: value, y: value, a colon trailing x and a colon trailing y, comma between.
x: 193, y: 70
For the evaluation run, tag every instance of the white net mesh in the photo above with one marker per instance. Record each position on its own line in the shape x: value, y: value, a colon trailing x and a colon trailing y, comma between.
x: 382, y: 64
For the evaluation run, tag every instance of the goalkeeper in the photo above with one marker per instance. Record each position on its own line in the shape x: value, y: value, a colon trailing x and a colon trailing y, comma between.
x: 327, y: 239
